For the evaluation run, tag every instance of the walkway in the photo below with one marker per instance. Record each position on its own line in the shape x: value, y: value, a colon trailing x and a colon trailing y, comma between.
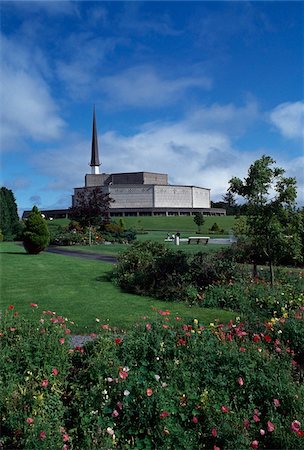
x: 80, y: 254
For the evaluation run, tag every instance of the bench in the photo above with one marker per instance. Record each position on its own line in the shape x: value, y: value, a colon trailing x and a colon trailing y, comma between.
x: 198, y: 240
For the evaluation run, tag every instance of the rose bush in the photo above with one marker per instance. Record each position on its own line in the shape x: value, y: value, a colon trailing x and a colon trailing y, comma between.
x: 165, y: 384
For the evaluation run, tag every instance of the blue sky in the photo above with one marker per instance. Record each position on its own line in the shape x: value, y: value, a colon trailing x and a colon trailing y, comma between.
x: 198, y: 90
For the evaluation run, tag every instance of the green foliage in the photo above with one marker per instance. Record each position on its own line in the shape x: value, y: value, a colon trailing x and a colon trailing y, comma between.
x: 91, y: 207
x: 188, y: 386
x: 256, y: 298
x: 164, y: 384
x: 270, y: 217
x: 9, y: 220
x: 199, y: 220
x: 36, y: 236
x: 153, y: 269
x: 34, y: 365
x: 216, y: 228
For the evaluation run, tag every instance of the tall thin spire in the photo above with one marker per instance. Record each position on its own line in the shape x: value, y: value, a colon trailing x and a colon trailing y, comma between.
x: 94, y: 154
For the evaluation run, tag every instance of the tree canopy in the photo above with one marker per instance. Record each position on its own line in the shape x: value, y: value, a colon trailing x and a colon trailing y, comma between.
x: 270, y: 210
x: 36, y: 236
x: 91, y: 207
x: 9, y: 219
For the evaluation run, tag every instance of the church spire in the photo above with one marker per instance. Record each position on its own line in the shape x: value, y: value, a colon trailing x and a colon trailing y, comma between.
x: 94, y: 154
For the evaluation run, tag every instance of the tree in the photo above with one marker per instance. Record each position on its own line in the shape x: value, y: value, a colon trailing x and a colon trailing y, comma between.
x: 91, y: 208
x: 36, y: 236
x: 9, y: 219
x: 229, y: 204
x: 270, y: 210
x: 199, y: 220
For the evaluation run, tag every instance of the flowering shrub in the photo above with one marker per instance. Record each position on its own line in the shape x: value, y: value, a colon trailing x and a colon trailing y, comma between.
x: 257, y: 297
x: 34, y: 364
x: 173, y: 385
x: 165, y: 384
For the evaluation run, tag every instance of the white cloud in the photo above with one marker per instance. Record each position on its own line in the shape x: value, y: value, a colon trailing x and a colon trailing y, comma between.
x: 27, y: 107
x: 229, y: 118
x: 143, y: 86
x: 289, y: 119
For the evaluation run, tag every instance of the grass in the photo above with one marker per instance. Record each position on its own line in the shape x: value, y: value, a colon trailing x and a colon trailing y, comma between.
x: 79, y: 290
x: 156, y: 236
x: 178, y: 223
x: 167, y: 224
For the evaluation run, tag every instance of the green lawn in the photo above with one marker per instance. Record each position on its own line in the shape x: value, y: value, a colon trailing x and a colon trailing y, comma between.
x: 157, y: 236
x: 79, y: 290
x: 167, y: 224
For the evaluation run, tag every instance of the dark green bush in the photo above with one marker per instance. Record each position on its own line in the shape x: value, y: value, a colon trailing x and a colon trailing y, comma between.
x: 216, y: 228
x: 152, y: 269
x: 36, y: 236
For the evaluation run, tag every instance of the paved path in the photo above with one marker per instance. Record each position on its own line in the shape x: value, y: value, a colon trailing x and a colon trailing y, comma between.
x: 79, y: 254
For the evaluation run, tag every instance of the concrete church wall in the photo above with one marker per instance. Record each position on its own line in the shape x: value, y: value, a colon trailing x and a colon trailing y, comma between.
x: 131, y: 196
x: 201, y: 197
x: 181, y: 197
x: 172, y: 196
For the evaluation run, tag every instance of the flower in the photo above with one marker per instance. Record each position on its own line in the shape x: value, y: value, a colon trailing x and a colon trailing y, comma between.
x: 254, y: 444
x: 256, y: 418
x: 194, y: 419
x: 214, y: 432
x: 123, y: 373
x: 65, y: 437
x: 242, y: 349
x: 262, y: 432
x: 42, y: 434
x: 246, y: 424
x: 61, y: 340
x: 34, y: 305
x: 126, y: 393
x: 115, y: 413
x: 276, y: 402
x: 240, y: 381
x: 149, y: 392
x: 11, y: 307
x: 224, y: 409
x: 163, y: 414
x: 295, y: 426
x: 270, y: 426
x: 55, y: 371
x: 30, y: 420
x: 118, y: 341
x: 148, y: 326
x: 110, y: 431
x: 44, y: 383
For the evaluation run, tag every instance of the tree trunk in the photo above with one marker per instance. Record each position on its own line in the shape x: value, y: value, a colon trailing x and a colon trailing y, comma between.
x: 271, y: 268
x: 90, y: 235
x: 255, y: 270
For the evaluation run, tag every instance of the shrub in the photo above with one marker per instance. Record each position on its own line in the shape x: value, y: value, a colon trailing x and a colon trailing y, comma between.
x: 36, y: 236
x: 152, y: 269
x: 33, y: 366
x: 216, y: 228
x: 186, y: 387
x: 165, y: 384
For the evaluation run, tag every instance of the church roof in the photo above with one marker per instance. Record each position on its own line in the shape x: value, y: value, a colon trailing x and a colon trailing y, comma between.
x: 94, y: 153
